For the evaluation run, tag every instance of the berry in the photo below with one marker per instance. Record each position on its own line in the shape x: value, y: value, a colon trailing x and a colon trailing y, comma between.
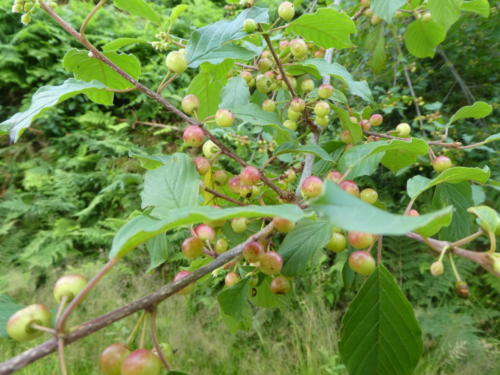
x: 286, y: 10
x: 426, y: 17
x: 192, y: 247
x: 270, y: 263
x: 224, y: 118
x: 346, y: 137
x: 376, y: 119
x: 441, y: 163
x: 365, y: 125
x: 246, y: 75
x: 322, y: 121
x: 280, y: 285
x: 111, y: 359
x: 365, y: 3
x: 250, y: 175
x: 205, y: 232
x: 210, y: 149
x: 141, y: 362
x: 350, y: 187
x: 437, y: 268
x: 187, y: 289
x: 362, y: 262
x: 202, y: 165
x: 325, y: 91
x: 298, y: 48
x: 234, y: 184
x: 375, y: 20
x: 413, y: 213
x: 369, y: 195
x: 334, y: 176
x: 284, y: 46
x: 361, y: 240
x: 231, y: 279
x: 193, y: 136
x: 221, y: 176
x: 69, y: 286
x: 321, y: 109
x: 221, y: 246
x: 239, y: 224
x: 462, y: 289
x: 293, y: 115
x: 252, y: 252
x: 264, y: 64
x: 311, y: 187
x: 26, y: 19
x: 176, y: 61
x: 283, y: 225
x: 298, y: 104
x: 264, y: 83
x: 269, y: 105
x: 190, y: 104
x: 307, y: 85
x: 337, y: 243
x: 19, y: 325
x: 290, y: 176
x: 249, y: 25
x: 403, y: 130
x: 290, y: 124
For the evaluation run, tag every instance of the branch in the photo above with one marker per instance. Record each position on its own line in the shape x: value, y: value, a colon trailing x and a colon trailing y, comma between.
x: 147, y: 302
x: 465, y: 89
x: 224, y: 196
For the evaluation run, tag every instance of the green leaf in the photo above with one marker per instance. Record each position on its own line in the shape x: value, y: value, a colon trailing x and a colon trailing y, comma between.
x: 87, y: 68
x: 492, y: 138
x: 142, y: 228
x: 418, y: 184
x: 207, y: 86
x: 328, y: 28
x: 158, y: 251
x: 176, y: 12
x: 172, y: 186
x: 352, y: 214
x: 43, y: 99
x: 399, y: 156
x: 481, y: 7
x: 422, y: 38
x: 313, y: 149
x: 7, y: 307
x: 255, y: 115
x: 233, y: 301
x: 376, y: 44
x: 235, y: 93
x: 301, y: 243
x: 476, y: 111
x: 386, y: 9
x: 445, y: 12
x: 345, y: 121
x: 380, y: 334
x: 210, y: 38
x: 150, y: 161
x: 227, y: 51
x: 265, y: 298
x: 487, y: 217
x: 138, y: 8
x: 116, y: 44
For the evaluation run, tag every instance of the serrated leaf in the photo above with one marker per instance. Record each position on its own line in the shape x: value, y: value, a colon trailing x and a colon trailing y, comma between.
x: 328, y: 28
x: 422, y: 38
x: 235, y: 93
x: 264, y: 297
x: 227, y: 51
x: 158, y: 251
x: 418, y: 184
x: 116, y: 44
x: 445, y: 12
x: 481, y: 7
x: 345, y: 211
x: 377, y: 48
x: 313, y: 149
x: 142, y: 228
x: 233, y: 301
x: 301, y: 243
x: 138, y: 8
x: 487, y: 217
x: 476, y: 111
x: 7, y: 307
x: 172, y: 186
x: 386, y: 9
x: 380, y: 334
x: 43, y: 99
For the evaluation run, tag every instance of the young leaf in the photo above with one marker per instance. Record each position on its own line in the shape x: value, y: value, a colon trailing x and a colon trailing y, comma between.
x: 487, y: 217
x: 176, y: 12
x: 445, y: 12
x: 481, y: 7
x: 380, y: 334
x: 386, y: 9
x: 138, y: 8
x: 235, y: 93
x: 43, y: 99
x: 422, y: 38
x: 116, y: 44
x: 476, y: 111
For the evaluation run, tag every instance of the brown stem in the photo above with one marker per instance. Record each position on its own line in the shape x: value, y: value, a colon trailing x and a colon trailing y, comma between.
x: 60, y: 351
x: 224, y: 196
x: 87, y: 19
x: 154, y: 338
x: 467, y: 239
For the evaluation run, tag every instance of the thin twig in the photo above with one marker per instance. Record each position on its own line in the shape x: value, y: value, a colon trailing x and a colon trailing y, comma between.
x: 89, y: 16
x: 469, y: 97
x: 60, y: 351
x: 38, y: 327
x: 224, y: 196
x: 466, y: 240
x: 154, y: 338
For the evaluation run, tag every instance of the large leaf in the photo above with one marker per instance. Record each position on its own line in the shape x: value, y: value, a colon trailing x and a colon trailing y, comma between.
x: 235, y: 93
x: 313, y: 149
x: 158, y: 251
x: 302, y: 242
x: 328, y: 28
x: 138, y: 8
x: 476, y: 111
x: 208, y: 39
x: 345, y: 120
x: 380, y: 334
x: 234, y: 304
x: 88, y: 69
x: 116, y: 44
x: 422, y: 38
x: 418, y: 184
x: 375, y: 43
x: 352, y: 214
x: 228, y: 51
x: 142, y: 228
x: 255, y: 115
x: 445, y: 12
x: 7, y: 307
x: 386, y: 9
x: 172, y: 186
x: 264, y: 297
x: 481, y: 7
x: 43, y: 99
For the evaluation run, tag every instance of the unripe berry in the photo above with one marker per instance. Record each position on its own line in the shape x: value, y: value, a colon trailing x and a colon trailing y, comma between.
x: 269, y: 105
x: 441, y: 163
x: 298, y: 104
x: 141, y: 362
x: 346, y: 137
x: 350, y: 187
x: 365, y: 3
x: 325, y: 91
x: 362, y: 262
x: 292, y: 115
x: 413, y: 213
x: 249, y: 175
x: 403, y: 129
x: 462, y: 289
x: 17, y: 8
x: 176, y: 61
x: 221, y: 176
x: 245, y: 191
x: 375, y: 20
x: 264, y: 64
x: 69, y: 286
x: 311, y: 187
x: 19, y: 325
x: 337, y: 243
x: 26, y: 19
x: 205, y: 232
x: 321, y: 109
x: 369, y: 195
x: 224, y: 118
x: 284, y: 46
x: 290, y: 124
x: 252, y: 251
x: 202, y: 165
x: 263, y: 83
x: 190, y: 103
x: 361, y: 240
x: 298, y: 48
x: 210, y: 149
x: 192, y: 247
x: 246, y: 75
x: 111, y: 359
x: 368, y: 13
x: 249, y: 25
x: 290, y: 175
x: 437, y: 268
x: 376, y: 119
x: 193, y: 136
x: 231, y: 279
x: 365, y: 125
x: 286, y: 10
x: 270, y: 263
x: 187, y: 289
x: 307, y: 85
x: 334, y: 176
x: 239, y: 224
x: 280, y: 285
x: 221, y: 246
x: 283, y: 225
x: 426, y: 17
x: 322, y: 121
x: 234, y: 184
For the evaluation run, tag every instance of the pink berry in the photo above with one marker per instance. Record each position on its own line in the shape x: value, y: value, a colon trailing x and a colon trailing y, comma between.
x: 193, y: 136
x: 311, y: 187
